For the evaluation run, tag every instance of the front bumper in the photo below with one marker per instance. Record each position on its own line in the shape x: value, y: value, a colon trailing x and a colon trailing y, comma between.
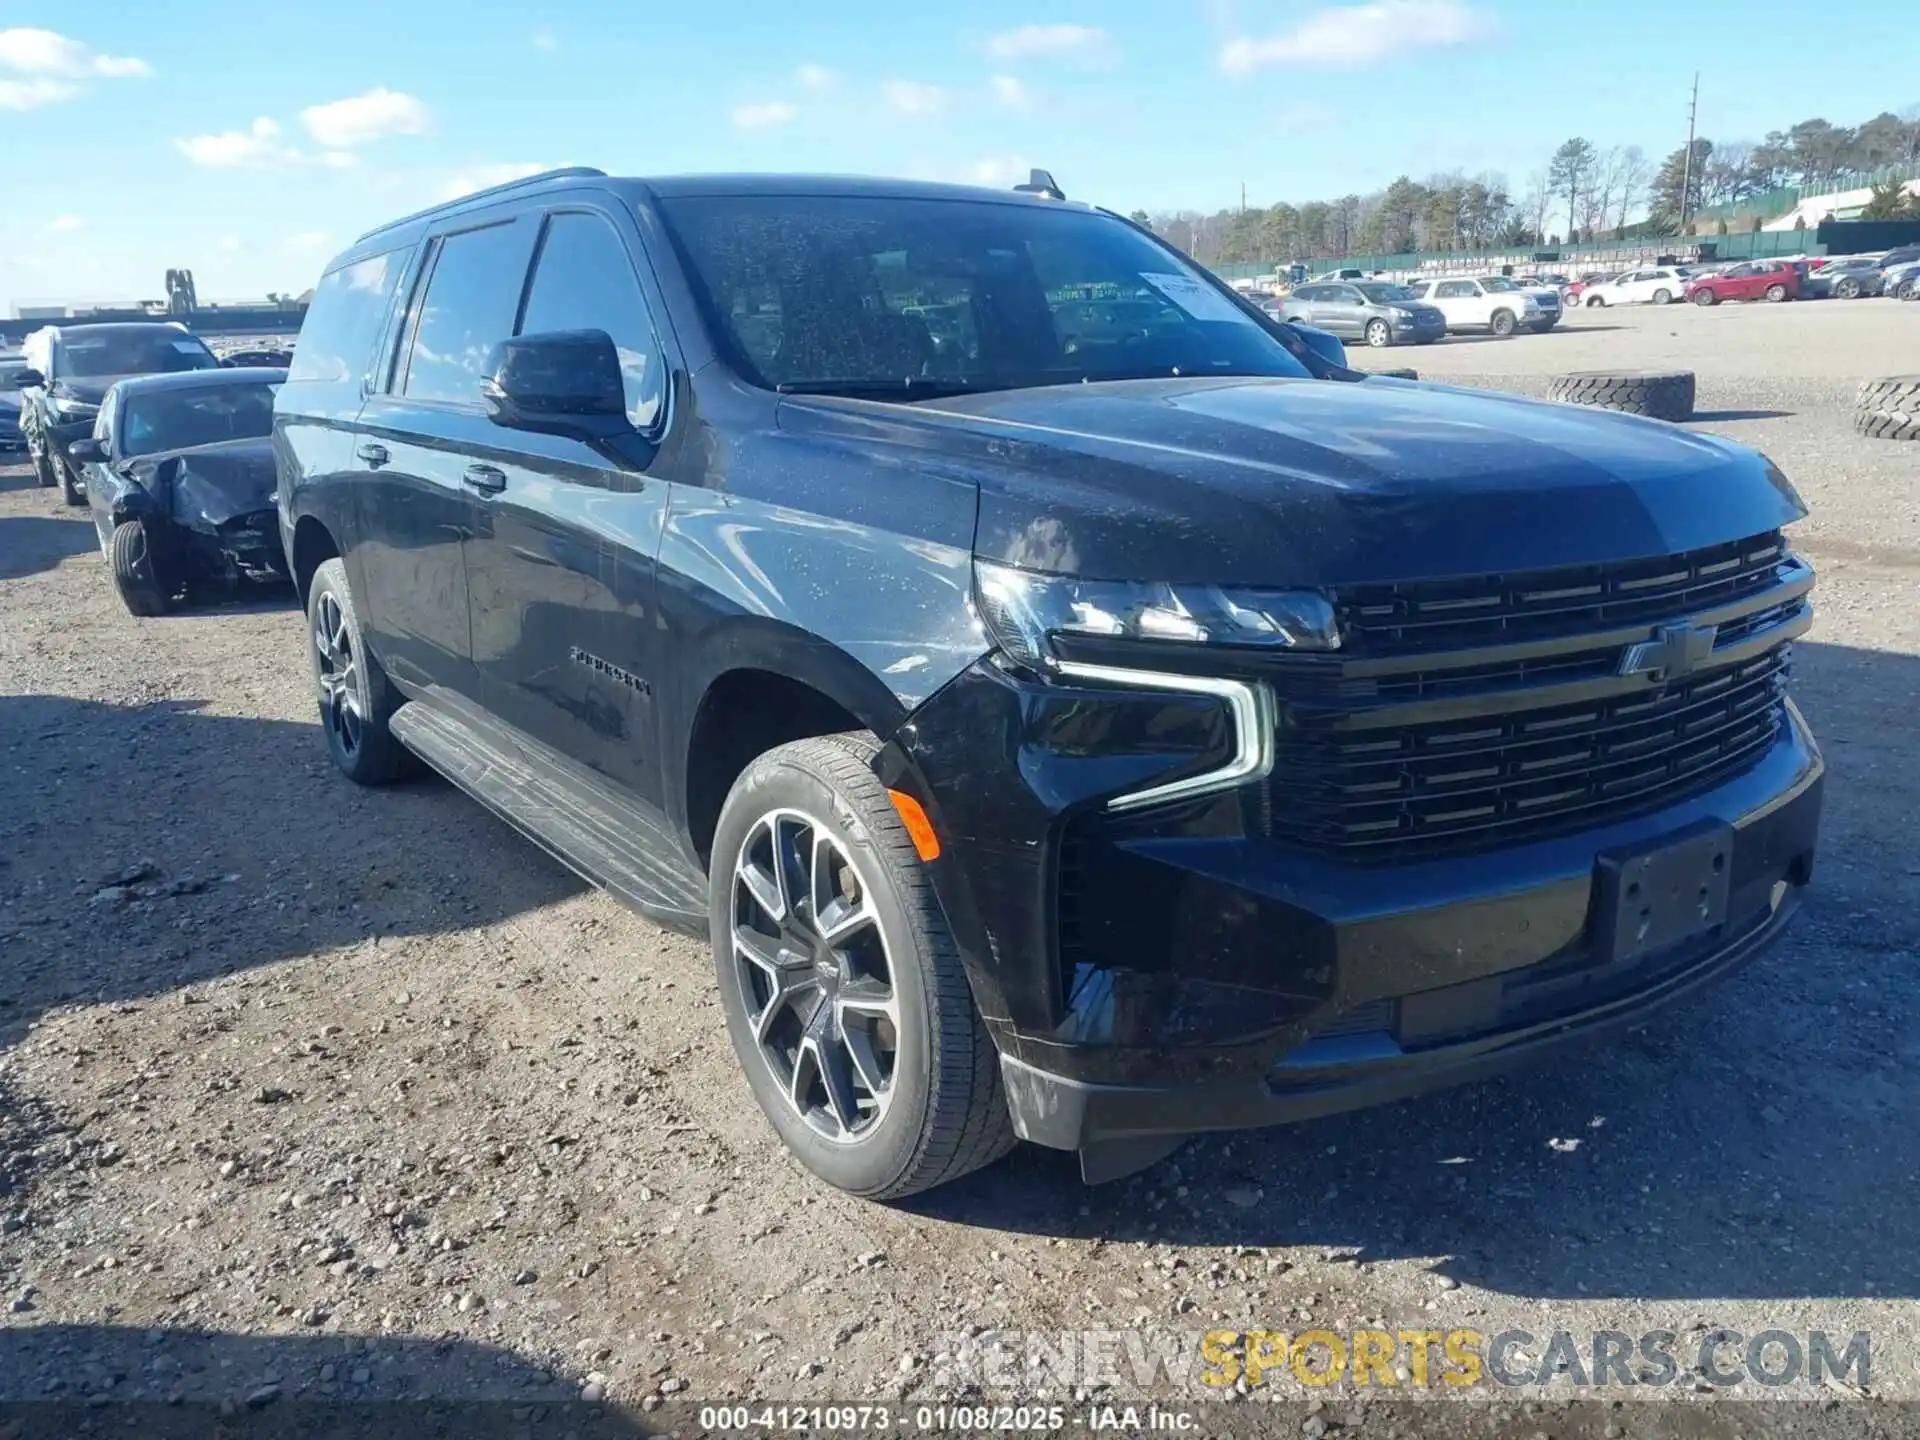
x: 1200, y: 976
x: 1419, y: 330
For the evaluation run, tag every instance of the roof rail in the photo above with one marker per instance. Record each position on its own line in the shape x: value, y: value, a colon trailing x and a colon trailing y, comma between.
x: 569, y: 172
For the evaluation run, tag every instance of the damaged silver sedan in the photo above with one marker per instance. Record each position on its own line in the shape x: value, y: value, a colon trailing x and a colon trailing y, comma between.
x: 179, y: 479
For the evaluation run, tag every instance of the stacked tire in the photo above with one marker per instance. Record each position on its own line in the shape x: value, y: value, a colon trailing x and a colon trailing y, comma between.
x: 1661, y: 394
x: 1889, y: 408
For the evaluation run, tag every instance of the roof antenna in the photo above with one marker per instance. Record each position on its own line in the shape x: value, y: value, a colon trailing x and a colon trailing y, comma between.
x: 1040, y: 182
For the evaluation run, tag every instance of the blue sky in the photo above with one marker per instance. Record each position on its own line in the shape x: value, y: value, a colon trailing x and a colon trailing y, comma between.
x: 246, y: 141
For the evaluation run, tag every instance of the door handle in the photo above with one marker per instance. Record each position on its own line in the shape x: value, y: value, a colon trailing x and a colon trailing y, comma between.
x: 373, y: 453
x: 487, y: 479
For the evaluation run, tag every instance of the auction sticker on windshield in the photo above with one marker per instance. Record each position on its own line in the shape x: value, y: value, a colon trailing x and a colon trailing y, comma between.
x: 1197, y: 298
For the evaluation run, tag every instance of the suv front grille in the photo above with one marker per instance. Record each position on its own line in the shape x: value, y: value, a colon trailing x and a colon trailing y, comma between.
x: 1469, y: 714
x: 1495, y: 609
x: 1476, y: 783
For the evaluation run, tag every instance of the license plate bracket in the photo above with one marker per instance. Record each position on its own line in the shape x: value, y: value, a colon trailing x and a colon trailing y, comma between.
x: 1660, y: 896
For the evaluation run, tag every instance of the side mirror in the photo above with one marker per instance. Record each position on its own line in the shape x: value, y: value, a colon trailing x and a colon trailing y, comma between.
x: 28, y: 380
x: 562, y: 382
x: 87, y: 451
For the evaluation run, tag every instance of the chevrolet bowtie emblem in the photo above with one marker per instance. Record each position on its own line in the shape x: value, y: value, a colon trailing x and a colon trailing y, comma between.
x: 1678, y: 650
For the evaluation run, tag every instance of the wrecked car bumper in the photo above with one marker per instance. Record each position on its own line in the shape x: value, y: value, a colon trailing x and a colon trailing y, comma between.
x: 1148, y: 976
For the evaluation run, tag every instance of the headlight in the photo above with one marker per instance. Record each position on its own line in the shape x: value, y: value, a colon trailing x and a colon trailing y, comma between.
x: 1400, y: 314
x: 1023, y: 610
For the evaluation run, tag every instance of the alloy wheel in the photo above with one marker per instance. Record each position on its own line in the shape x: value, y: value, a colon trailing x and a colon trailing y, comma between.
x: 338, y: 669
x: 816, y: 974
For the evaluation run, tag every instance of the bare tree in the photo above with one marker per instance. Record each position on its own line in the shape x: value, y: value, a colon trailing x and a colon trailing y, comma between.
x: 1631, y: 182
x: 1596, y: 199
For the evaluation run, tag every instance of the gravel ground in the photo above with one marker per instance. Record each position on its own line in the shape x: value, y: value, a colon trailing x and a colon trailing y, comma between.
x: 311, y: 1092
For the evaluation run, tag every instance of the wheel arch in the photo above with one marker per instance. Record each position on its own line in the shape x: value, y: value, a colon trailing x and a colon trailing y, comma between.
x: 763, y: 684
x: 312, y: 545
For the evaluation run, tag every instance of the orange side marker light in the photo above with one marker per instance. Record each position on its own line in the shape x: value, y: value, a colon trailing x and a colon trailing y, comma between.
x: 919, y: 827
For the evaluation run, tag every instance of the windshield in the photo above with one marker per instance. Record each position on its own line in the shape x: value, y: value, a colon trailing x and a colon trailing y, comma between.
x: 176, y: 419
x: 133, y: 352
x: 1498, y: 284
x: 1386, y: 293
x: 896, y: 296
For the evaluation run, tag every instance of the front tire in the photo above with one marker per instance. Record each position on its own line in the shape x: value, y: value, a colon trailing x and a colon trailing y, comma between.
x: 1845, y: 290
x: 43, y: 470
x: 845, y: 995
x: 136, y: 570
x: 1379, y: 334
x: 1705, y: 298
x: 356, y: 698
x: 72, y: 489
x: 1502, y: 323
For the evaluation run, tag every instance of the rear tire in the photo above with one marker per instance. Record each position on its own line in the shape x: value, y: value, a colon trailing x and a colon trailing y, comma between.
x: 356, y: 698
x: 136, y: 573
x: 1777, y: 293
x: 1663, y: 297
x: 1379, y: 334
x: 876, y: 1122
x: 1502, y: 323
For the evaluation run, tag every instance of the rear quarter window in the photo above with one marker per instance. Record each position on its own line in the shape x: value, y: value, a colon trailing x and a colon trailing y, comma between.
x: 345, y: 318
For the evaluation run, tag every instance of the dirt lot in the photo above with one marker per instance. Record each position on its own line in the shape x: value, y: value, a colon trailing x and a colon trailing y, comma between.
x: 314, y: 1091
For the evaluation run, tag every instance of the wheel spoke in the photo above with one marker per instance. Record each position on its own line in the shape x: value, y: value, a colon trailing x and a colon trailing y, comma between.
x: 842, y: 918
x: 866, y: 1061
x: 836, y: 1078
x: 868, y: 997
x: 765, y: 890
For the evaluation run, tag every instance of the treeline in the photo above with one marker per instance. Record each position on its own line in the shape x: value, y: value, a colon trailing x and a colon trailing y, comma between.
x: 1583, y: 192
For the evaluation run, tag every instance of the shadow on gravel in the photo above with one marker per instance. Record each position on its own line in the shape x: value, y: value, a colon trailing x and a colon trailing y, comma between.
x: 32, y: 543
x: 1727, y: 415
x: 16, y: 473
x: 239, y: 843
x: 77, y: 1379
x: 1758, y: 1142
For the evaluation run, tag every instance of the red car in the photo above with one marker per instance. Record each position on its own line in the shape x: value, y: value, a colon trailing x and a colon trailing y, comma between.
x: 1755, y: 280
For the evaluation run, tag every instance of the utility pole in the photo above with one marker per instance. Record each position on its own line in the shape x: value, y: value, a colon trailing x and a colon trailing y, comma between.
x: 1686, y: 160
x: 1243, y: 197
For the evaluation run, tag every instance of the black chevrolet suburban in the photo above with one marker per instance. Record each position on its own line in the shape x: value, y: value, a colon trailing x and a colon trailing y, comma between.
x: 1094, y: 743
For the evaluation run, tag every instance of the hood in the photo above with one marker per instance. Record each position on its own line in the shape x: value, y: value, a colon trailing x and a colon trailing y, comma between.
x: 88, y: 389
x: 208, y: 486
x: 1314, y: 482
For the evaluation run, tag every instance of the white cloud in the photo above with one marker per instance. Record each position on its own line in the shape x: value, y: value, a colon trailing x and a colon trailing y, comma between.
x: 1011, y: 92
x: 338, y: 159
x: 482, y: 177
x: 67, y: 224
x: 817, y: 78
x: 342, y: 124
x: 1085, y: 42
x: 230, y: 243
x: 910, y: 97
x: 766, y: 115
x: 1348, y: 36
x: 257, y: 147
x: 545, y: 39
x: 32, y: 94
x: 308, y: 242
x: 42, y: 52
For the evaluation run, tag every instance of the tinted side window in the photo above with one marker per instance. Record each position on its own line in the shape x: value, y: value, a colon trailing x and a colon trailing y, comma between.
x: 469, y: 305
x: 584, y: 280
x: 344, y: 318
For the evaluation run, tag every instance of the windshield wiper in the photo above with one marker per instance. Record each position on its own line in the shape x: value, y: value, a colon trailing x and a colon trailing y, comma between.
x: 910, y: 386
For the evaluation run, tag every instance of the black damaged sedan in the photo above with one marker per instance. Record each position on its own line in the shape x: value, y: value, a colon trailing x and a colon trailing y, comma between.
x: 179, y: 478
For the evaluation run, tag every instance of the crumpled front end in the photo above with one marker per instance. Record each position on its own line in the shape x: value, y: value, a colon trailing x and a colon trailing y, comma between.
x: 217, y: 504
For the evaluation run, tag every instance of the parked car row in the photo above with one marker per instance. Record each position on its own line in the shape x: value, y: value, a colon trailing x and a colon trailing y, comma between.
x: 1422, y: 312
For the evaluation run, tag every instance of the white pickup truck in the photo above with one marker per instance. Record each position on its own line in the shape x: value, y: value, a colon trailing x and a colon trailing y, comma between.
x: 1489, y: 302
